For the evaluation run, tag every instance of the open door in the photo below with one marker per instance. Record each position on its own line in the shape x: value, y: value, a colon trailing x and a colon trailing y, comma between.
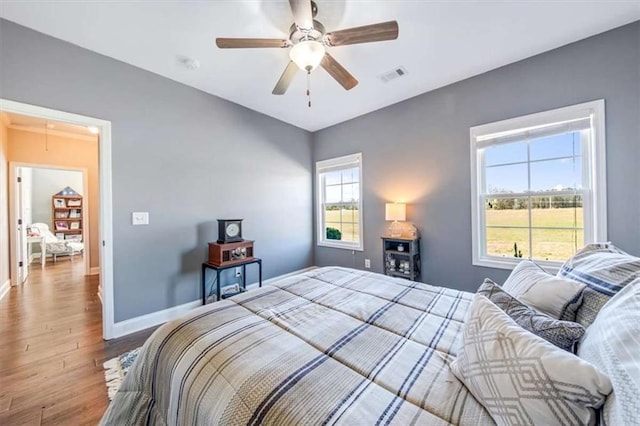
x: 23, y: 213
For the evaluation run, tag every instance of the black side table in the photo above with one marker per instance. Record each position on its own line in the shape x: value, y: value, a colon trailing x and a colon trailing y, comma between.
x: 218, y: 269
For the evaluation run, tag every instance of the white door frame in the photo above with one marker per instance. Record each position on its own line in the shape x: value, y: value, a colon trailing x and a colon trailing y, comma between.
x: 86, y: 235
x: 106, y: 207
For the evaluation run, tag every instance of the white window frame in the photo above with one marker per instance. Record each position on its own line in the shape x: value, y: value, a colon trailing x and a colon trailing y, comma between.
x: 339, y: 163
x: 594, y: 174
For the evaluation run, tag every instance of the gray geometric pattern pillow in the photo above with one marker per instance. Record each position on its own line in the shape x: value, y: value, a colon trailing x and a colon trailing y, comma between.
x: 605, y: 270
x: 522, y: 379
x: 563, y: 334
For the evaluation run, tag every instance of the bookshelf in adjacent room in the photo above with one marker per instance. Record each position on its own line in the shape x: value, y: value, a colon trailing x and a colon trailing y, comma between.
x: 67, y: 215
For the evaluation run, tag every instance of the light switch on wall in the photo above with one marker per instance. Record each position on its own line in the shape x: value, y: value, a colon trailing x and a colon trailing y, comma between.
x: 140, y: 218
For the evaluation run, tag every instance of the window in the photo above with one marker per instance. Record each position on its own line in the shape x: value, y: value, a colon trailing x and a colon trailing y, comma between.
x: 538, y: 186
x: 339, y: 200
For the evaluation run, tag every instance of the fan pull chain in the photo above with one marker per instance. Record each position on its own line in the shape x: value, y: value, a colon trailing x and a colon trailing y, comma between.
x: 309, y: 86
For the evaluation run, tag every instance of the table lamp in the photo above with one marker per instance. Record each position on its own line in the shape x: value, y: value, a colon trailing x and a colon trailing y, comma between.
x: 395, y: 212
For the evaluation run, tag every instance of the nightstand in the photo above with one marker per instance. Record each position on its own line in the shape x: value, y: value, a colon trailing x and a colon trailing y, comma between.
x: 401, y: 257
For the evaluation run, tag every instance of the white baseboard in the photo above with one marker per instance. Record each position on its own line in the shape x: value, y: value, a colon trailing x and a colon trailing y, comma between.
x: 132, y: 325
x: 4, y: 288
x: 143, y: 322
x: 94, y: 270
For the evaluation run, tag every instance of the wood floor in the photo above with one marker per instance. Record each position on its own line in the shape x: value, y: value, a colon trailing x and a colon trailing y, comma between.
x: 51, y: 348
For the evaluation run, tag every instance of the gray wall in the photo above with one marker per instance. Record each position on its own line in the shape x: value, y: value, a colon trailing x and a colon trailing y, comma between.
x: 418, y: 150
x: 44, y: 184
x: 185, y: 156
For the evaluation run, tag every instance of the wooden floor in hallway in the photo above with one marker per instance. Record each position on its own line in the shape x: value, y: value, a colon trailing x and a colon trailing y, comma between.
x: 51, y: 348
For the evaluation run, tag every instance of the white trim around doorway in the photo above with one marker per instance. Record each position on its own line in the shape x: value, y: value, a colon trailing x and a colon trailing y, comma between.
x: 106, y: 207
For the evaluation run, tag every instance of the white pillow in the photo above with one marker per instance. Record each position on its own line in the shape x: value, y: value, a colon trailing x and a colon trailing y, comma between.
x: 522, y: 379
x: 612, y: 343
x: 554, y: 296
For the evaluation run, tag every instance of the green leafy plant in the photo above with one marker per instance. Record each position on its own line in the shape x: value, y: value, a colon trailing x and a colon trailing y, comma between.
x: 333, y: 234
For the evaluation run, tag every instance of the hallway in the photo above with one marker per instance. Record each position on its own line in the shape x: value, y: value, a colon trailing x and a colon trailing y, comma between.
x: 51, y: 348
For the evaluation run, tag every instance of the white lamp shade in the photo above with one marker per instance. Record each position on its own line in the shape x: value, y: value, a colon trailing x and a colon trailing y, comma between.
x: 307, y: 55
x: 395, y: 211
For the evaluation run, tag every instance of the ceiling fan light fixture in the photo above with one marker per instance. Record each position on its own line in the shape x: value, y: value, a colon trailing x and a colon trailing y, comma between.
x: 307, y: 54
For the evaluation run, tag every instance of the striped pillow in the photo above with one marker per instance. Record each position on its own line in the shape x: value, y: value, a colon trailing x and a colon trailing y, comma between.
x: 556, y: 297
x: 605, y: 270
x: 612, y: 344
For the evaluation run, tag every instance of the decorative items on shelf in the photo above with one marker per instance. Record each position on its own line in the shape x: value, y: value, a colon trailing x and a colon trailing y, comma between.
x: 390, y: 263
x: 230, y: 247
x: 230, y: 253
x: 229, y: 230
x: 401, y: 257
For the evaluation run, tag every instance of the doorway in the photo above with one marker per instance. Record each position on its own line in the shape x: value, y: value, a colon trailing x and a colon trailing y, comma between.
x: 51, y: 207
x: 102, y: 129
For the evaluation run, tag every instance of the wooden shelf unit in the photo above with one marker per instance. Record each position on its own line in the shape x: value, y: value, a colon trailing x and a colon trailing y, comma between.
x: 64, y: 216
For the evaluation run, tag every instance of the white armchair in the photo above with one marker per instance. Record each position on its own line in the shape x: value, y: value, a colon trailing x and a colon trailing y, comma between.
x: 56, y: 246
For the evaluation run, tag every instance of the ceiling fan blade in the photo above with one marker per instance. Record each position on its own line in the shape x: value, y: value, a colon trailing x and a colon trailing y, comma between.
x: 338, y: 72
x: 302, y: 15
x: 366, y: 34
x: 285, y: 79
x: 241, y: 43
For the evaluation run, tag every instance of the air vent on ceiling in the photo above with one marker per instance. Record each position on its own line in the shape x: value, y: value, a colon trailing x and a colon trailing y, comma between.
x: 393, y: 74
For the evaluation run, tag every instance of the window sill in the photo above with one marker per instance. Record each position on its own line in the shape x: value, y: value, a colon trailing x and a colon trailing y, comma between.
x: 343, y: 246
x: 510, y: 263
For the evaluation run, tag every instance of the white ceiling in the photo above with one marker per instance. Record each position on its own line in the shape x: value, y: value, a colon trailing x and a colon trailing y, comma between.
x: 440, y: 42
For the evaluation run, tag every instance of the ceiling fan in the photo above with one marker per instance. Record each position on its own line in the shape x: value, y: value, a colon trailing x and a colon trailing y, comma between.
x: 308, y: 41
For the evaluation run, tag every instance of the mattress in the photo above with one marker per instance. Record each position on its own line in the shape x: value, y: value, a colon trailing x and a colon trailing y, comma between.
x: 330, y: 346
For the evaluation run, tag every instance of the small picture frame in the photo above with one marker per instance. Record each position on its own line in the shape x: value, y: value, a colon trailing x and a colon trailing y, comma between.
x: 61, y: 225
x: 75, y: 225
x: 59, y: 203
x: 60, y: 235
x: 61, y: 215
x: 74, y: 203
x: 74, y: 237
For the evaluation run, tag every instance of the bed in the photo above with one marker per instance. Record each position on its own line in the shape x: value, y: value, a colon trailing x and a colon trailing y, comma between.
x: 342, y: 346
x: 332, y: 345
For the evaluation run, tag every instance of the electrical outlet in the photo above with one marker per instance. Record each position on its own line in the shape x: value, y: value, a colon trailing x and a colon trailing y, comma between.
x: 238, y: 272
x: 367, y: 263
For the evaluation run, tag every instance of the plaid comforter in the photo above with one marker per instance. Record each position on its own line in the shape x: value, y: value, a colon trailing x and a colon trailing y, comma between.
x: 330, y: 346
